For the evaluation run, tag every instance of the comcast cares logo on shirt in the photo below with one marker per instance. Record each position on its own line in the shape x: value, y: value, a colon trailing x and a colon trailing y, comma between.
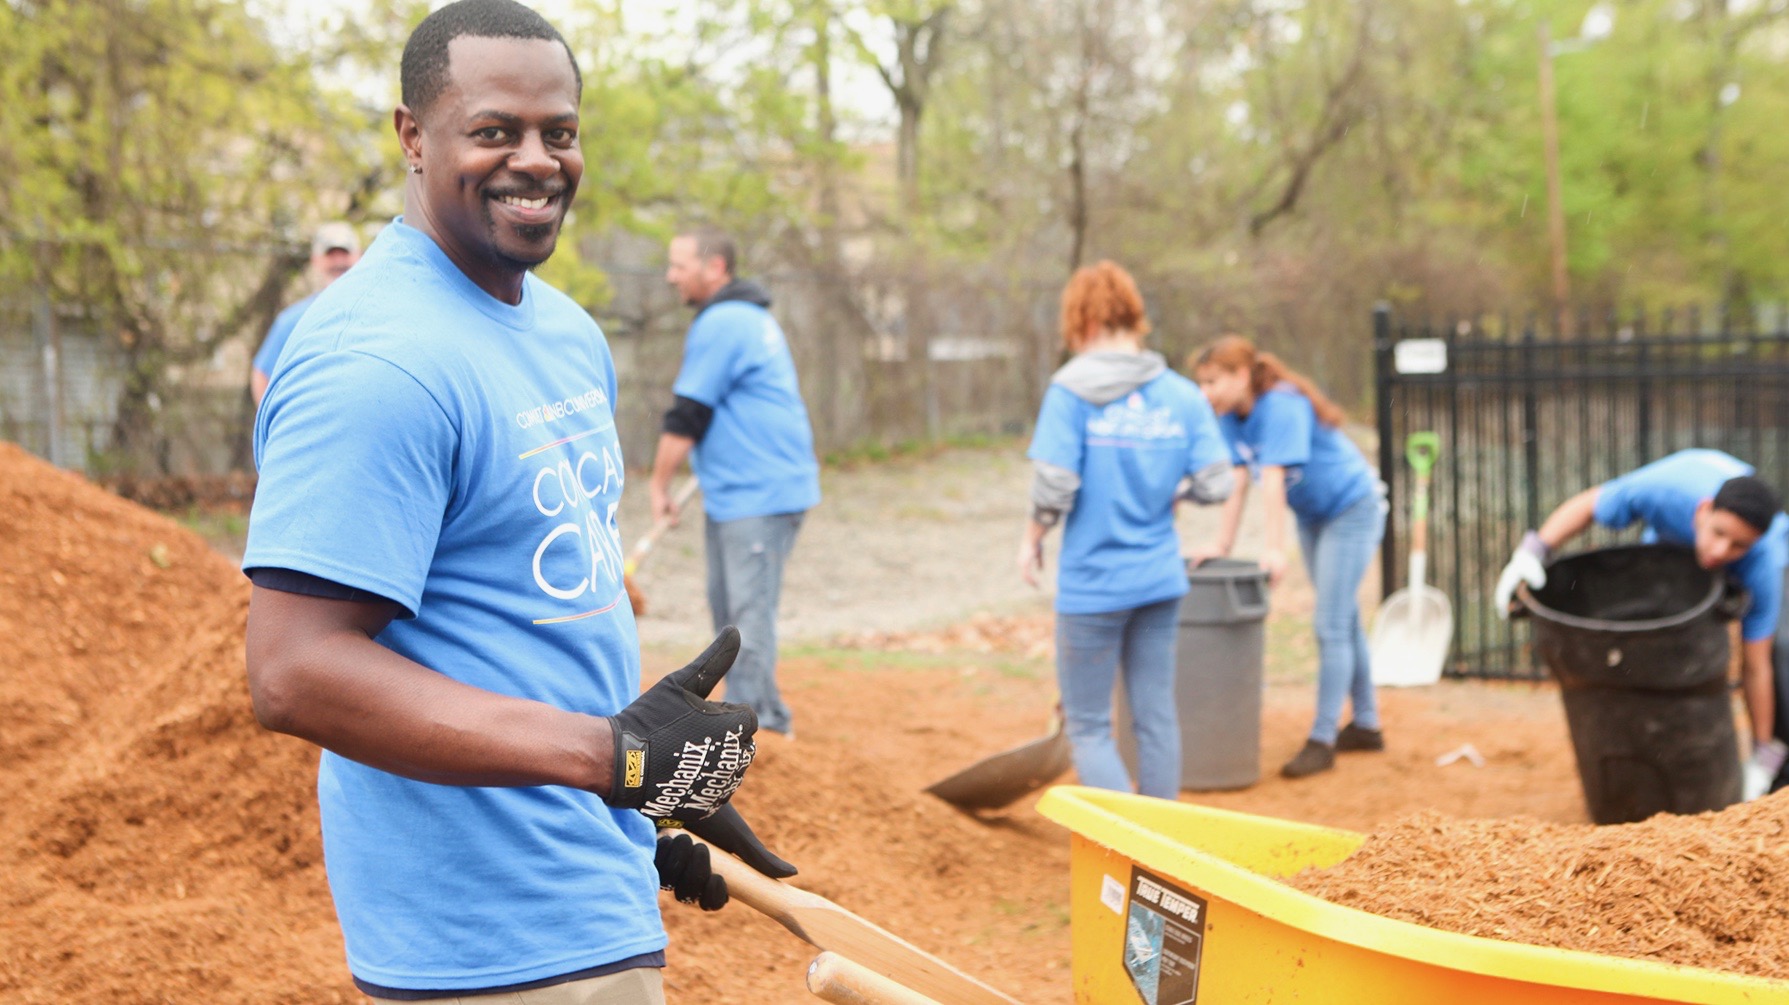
x: 580, y: 553
x: 553, y: 411
x: 1133, y: 419
x: 574, y: 485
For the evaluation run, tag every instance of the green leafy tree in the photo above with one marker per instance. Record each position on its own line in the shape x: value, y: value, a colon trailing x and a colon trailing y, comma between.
x: 164, y: 159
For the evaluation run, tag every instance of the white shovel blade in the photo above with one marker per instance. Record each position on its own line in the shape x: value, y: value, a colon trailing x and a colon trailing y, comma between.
x: 1410, y: 638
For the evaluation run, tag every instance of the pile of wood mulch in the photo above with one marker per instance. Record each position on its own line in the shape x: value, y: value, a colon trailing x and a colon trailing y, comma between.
x: 1710, y: 890
x: 158, y: 845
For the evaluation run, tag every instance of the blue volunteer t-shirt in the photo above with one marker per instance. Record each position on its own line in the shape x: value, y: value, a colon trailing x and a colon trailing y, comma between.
x: 757, y: 458
x: 284, y: 323
x: 1119, y: 547
x: 1325, y: 472
x: 1664, y: 495
x: 428, y: 443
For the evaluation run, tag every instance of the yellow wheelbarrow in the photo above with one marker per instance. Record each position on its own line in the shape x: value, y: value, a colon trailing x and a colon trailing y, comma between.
x: 1172, y: 903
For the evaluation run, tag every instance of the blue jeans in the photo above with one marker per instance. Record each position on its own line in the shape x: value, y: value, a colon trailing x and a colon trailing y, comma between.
x: 745, y: 583
x: 1337, y: 552
x: 1091, y: 649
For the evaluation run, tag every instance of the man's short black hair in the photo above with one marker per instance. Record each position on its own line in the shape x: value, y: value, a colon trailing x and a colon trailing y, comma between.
x: 1750, y: 499
x: 713, y: 242
x: 424, y: 70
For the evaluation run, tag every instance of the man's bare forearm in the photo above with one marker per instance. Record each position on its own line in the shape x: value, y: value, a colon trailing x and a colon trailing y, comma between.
x: 316, y: 673
x: 673, y: 450
x: 1572, y: 518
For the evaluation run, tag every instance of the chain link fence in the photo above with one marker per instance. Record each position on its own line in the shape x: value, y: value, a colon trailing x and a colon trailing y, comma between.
x: 891, y: 352
x: 882, y: 359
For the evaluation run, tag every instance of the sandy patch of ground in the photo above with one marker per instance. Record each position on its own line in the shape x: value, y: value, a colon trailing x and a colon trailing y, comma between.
x: 897, y: 546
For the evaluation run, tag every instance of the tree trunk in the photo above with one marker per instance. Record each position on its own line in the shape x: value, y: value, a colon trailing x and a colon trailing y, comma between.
x: 831, y: 245
x: 1077, y: 150
x: 1726, y: 46
x: 907, y: 158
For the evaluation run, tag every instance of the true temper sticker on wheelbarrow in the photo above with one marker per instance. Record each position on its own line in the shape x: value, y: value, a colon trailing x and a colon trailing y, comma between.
x: 1164, y: 933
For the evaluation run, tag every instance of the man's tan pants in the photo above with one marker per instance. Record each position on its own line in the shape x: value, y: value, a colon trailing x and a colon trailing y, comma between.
x: 640, y: 986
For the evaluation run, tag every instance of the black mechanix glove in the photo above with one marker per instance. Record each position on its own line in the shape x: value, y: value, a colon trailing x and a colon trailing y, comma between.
x: 729, y: 832
x: 685, y: 868
x: 678, y: 755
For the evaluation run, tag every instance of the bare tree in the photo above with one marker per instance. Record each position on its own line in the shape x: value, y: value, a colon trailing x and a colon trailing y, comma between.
x: 1303, y: 143
x: 920, y: 28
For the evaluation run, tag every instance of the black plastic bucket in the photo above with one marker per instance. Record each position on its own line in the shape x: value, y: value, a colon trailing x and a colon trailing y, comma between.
x: 1638, y: 638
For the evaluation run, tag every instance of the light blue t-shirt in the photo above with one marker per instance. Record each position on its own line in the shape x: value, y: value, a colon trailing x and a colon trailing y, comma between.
x: 1664, y: 495
x: 757, y: 458
x: 1325, y: 472
x: 428, y: 443
x: 268, y: 356
x: 1119, y: 547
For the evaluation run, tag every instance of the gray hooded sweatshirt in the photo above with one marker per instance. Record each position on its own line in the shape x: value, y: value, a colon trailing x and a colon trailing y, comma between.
x: 1100, y: 378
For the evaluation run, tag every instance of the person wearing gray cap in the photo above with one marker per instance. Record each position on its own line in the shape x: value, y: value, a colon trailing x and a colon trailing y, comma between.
x: 334, y: 250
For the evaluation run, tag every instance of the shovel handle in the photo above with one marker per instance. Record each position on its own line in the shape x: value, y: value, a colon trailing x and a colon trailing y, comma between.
x: 834, y: 978
x: 643, y: 546
x: 827, y: 926
x: 1420, y: 450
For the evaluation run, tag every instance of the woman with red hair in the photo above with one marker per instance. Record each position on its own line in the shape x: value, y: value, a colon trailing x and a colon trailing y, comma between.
x: 1119, y: 440
x: 1288, y: 434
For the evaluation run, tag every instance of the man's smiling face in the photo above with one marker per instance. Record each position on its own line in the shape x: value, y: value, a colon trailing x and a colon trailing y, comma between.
x: 500, y: 157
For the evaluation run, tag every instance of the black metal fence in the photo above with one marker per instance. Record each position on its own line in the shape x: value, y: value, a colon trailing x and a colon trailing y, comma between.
x: 1529, y: 417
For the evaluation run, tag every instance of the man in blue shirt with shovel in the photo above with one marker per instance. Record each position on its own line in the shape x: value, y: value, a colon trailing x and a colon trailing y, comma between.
x: 1715, y: 503
x: 739, y: 418
x: 438, y: 592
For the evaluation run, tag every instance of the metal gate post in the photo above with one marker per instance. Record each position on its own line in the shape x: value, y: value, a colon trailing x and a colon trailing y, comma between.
x: 1382, y: 379
x: 1531, y: 451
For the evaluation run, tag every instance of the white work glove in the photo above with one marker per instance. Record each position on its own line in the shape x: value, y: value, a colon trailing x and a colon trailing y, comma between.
x: 1761, y: 768
x: 1527, y: 565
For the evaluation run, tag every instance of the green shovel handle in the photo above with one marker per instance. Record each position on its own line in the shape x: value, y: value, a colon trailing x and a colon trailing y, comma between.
x: 1420, y: 450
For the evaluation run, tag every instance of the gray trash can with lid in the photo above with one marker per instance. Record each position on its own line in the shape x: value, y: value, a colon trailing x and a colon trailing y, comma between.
x: 1219, y: 653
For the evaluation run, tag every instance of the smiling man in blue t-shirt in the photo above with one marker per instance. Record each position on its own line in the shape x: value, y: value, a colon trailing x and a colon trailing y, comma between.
x: 437, y: 574
x: 737, y: 415
x: 1716, y: 503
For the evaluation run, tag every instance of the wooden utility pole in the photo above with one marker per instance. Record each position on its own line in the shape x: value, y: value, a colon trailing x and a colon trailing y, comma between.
x: 1555, y: 200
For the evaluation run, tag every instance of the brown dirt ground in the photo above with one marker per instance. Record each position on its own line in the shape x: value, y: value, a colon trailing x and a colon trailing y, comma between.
x: 159, y: 847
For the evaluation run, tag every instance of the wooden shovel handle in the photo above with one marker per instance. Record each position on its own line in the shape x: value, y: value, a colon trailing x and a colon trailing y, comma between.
x: 1419, y: 523
x: 650, y: 538
x: 825, y: 925
x: 833, y: 978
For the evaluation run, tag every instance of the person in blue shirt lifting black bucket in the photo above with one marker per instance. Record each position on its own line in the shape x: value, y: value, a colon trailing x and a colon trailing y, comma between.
x: 1717, y: 504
